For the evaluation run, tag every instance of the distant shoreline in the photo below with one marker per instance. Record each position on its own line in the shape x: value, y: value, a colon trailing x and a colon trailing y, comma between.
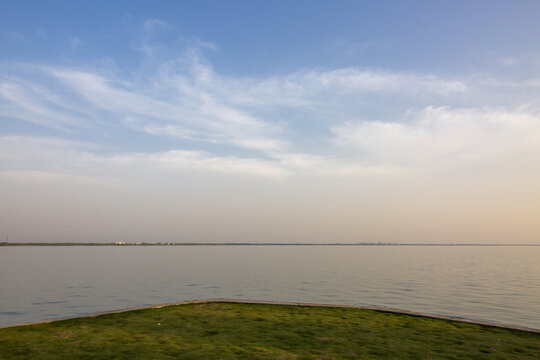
x: 245, y: 244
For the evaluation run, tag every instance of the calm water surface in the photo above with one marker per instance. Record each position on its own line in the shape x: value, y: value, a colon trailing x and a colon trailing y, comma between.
x: 500, y: 284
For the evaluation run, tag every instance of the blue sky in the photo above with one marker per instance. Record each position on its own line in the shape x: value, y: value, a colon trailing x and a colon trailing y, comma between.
x: 261, y: 38
x: 303, y: 120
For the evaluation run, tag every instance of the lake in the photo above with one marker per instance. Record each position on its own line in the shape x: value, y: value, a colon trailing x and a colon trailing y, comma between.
x: 487, y: 283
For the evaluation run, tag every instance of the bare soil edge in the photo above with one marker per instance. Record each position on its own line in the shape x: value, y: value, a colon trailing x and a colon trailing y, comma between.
x: 268, y: 302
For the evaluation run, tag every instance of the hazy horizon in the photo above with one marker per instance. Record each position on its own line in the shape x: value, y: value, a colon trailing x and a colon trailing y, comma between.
x: 270, y: 122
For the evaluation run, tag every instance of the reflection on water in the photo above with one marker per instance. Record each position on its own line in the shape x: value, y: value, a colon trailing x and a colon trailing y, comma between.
x: 500, y: 284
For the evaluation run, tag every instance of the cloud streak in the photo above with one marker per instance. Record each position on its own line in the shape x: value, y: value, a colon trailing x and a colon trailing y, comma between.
x: 348, y: 121
x: 54, y: 155
x: 437, y: 136
x: 186, y: 99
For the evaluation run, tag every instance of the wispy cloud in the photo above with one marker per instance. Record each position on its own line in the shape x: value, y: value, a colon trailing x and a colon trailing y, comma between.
x: 348, y: 121
x: 36, y: 104
x: 187, y: 99
x: 71, y: 158
x: 438, y: 136
x: 54, y: 155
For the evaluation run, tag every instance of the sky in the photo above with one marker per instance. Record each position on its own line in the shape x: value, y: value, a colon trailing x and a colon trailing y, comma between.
x: 270, y: 121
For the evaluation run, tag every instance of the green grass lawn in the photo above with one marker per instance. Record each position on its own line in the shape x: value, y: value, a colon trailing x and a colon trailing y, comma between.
x: 256, y: 331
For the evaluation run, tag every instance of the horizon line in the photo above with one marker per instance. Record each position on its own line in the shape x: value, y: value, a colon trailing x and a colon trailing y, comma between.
x: 122, y: 243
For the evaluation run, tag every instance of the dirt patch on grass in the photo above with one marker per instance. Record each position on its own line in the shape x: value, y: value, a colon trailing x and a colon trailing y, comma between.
x: 288, y: 357
x: 65, y: 334
x: 214, y: 306
x: 324, y: 338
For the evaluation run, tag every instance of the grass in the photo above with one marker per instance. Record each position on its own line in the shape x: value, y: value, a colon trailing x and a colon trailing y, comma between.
x: 258, y: 331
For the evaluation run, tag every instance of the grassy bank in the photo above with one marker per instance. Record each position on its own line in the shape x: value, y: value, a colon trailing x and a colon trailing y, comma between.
x: 256, y: 331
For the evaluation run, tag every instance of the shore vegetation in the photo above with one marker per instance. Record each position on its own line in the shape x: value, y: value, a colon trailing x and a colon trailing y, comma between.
x: 219, y: 330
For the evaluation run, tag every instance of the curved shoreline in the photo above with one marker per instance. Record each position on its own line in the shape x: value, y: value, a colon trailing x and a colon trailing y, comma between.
x: 304, y: 304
